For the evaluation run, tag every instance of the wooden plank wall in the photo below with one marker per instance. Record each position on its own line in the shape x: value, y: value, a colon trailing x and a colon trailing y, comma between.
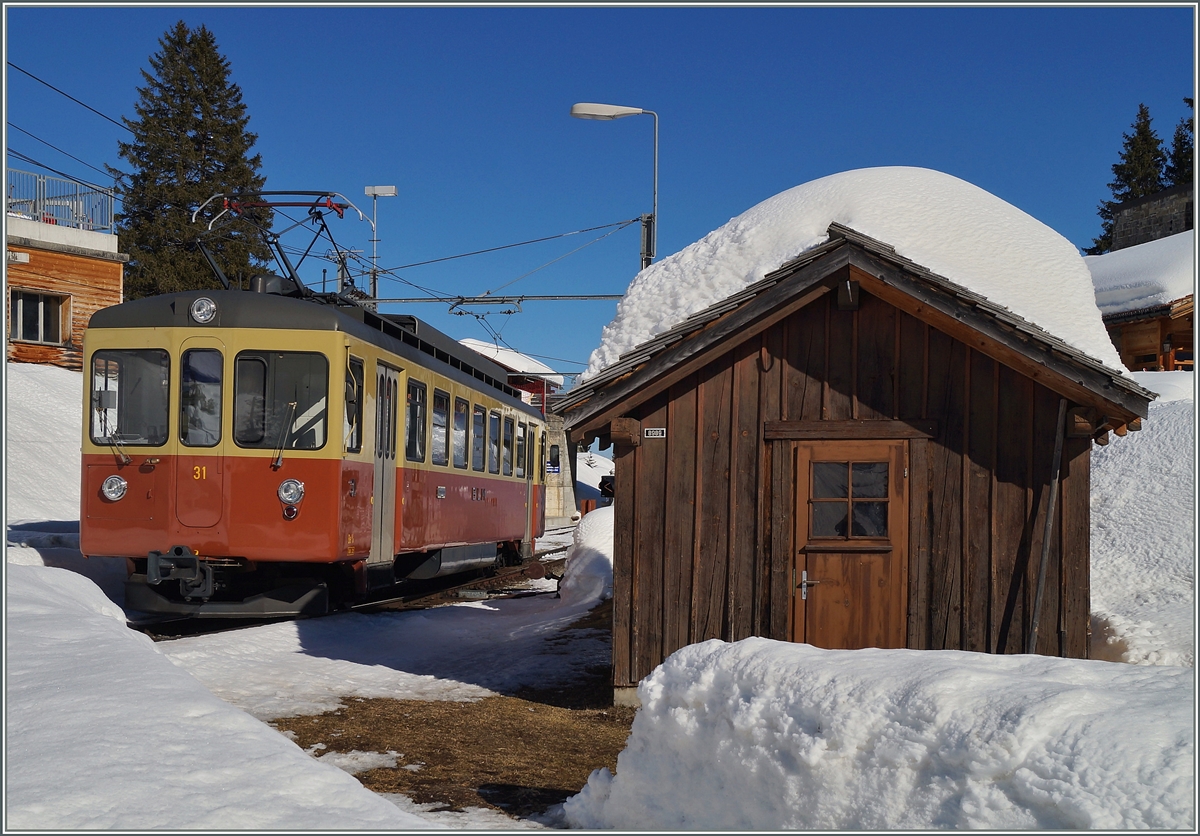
x: 699, y: 508
x: 90, y: 284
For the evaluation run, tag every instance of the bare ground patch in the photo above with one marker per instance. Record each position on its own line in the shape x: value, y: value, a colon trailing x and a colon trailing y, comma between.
x: 517, y: 753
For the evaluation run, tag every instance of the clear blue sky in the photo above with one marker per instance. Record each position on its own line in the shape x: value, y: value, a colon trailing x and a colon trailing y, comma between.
x: 465, y: 111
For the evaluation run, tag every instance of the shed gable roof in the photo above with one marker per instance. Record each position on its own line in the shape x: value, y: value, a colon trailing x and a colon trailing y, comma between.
x: 657, y: 363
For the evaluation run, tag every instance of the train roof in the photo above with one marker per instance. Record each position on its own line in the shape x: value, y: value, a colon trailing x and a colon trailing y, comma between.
x: 401, y: 334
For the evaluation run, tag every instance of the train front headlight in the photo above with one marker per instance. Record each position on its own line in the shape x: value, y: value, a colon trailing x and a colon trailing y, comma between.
x: 203, y: 310
x: 114, y: 488
x: 291, y: 491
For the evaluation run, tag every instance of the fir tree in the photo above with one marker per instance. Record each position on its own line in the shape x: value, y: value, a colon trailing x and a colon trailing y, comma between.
x: 189, y: 143
x: 1137, y: 174
x: 1179, y: 159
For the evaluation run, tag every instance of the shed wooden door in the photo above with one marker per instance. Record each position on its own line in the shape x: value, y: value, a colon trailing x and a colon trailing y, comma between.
x: 850, y: 587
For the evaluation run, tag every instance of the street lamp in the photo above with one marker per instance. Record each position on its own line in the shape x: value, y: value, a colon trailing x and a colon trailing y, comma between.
x: 591, y: 110
x: 376, y: 192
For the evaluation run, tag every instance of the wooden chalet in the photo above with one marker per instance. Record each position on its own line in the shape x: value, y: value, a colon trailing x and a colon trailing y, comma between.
x: 852, y: 452
x: 1158, y: 338
x: 57, y: 276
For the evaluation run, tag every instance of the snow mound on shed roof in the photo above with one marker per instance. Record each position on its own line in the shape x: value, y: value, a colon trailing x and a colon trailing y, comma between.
x: 1154, y: 273
x: 945, y: 224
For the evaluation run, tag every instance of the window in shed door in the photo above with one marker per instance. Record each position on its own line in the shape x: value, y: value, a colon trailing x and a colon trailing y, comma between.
x: 849, y: 499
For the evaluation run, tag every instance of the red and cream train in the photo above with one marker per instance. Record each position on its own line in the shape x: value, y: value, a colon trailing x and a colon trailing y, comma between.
x: 273, y: 452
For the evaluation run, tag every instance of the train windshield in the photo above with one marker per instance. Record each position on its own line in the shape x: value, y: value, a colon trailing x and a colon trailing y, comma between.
x: 280, y: 400
x: 130, y: 397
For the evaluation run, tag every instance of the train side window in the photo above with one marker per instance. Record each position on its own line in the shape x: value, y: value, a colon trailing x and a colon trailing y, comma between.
x: 200, y: 375
x: 440, y: 443
x: 508, y: 446
x: 521, y: 450
x: 352, y: 416
x: 494, y: 442
x: 462, y: 411
x: 541, y: 458
x: 478, y: 437
x: 414, y: 439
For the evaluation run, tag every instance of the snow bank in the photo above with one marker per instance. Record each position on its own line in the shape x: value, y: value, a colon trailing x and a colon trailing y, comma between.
x: 43, y: 423
x: 942, y: 223
x: 103, y: 732
x: 1154, y: 273
x: 589, y: 572
x: 1144, y: 536
x: 763, y: 735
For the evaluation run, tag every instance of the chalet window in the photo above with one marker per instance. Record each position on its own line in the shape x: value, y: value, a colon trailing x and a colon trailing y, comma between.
x: 462, y: 410
x: 35, y: 317
x: 849, y: 499
x: 478, y: 437
x: 414, y: 443
x: 441, y: 427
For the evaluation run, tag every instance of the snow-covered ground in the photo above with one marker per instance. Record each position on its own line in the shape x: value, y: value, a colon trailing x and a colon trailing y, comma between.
x: 1143, y: 532
x: 105, y: 729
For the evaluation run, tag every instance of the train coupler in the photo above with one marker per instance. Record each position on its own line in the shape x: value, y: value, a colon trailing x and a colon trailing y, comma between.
x: 182, y: 564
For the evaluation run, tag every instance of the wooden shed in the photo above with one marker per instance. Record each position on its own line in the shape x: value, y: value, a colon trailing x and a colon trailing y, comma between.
x: 852, y: 452
x: 58, y: 276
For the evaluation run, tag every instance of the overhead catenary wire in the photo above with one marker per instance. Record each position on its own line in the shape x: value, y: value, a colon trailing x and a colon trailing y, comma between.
x: 69, y: 96
x: 56, y: 148
x: 520, y: 244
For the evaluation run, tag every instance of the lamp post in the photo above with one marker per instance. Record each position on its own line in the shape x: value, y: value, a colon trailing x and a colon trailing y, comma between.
x: 591, y: 110
x: 376, y: 192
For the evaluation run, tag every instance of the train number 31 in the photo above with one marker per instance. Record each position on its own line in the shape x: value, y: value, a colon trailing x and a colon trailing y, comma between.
x: 199, y: 472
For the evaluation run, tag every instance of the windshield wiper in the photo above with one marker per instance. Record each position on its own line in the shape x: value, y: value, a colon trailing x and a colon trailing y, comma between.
x: 278, y: 462
x: 115, y: 443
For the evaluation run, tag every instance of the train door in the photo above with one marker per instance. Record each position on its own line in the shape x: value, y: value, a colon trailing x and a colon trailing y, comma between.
x: 199, y: 471
x: 387, y: 393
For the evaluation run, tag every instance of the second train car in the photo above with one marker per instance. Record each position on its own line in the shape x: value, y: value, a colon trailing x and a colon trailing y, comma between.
x: 259, y: 454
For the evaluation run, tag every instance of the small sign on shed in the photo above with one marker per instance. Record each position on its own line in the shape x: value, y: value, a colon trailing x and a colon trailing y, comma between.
x: 655, y: 432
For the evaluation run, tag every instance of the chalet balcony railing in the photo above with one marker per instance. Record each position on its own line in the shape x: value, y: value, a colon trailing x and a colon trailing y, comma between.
x: 54, y: 200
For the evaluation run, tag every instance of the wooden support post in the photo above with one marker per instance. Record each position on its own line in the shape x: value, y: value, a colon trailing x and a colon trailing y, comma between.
x: 1031, y: 644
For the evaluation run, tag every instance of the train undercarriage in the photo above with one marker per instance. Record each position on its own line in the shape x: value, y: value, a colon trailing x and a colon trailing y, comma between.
x: 181, y: 583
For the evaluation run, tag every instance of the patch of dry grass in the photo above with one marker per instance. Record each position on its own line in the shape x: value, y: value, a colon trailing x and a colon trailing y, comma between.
x: 519, y: 754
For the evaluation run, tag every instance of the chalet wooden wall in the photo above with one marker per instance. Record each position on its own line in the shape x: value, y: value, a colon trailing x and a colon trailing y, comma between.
x: 1140, y: 342
x: 90, y: 283
x: 703, y: 534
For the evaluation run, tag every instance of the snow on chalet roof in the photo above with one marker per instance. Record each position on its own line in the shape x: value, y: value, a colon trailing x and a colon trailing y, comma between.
x: 942, y: 223
x: 1145, y: 276
x: 514, y: 360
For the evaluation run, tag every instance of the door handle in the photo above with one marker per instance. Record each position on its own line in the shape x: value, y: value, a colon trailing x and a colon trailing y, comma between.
x: 805, y: 583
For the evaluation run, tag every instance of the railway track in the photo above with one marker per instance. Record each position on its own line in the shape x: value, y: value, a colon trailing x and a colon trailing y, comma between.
x: 416, y: 595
